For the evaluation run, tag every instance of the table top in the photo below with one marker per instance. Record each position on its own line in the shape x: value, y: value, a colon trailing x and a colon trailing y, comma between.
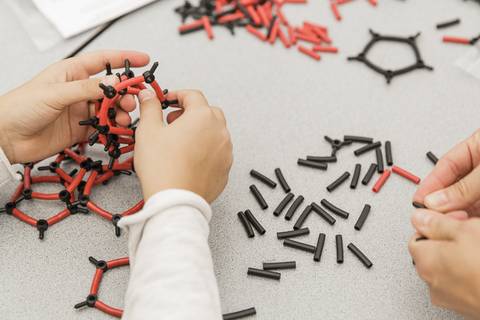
x: 279, y: 104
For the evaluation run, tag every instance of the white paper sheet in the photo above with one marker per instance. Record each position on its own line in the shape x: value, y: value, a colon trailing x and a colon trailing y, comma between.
x: 71, y: 17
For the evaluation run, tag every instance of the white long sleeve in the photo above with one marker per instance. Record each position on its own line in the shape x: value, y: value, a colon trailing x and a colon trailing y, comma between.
x: 171, y: 269
x: 7, y: 171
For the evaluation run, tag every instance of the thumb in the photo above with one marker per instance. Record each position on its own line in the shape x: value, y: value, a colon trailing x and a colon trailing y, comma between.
x: 67, y: 93
x: 150, y: 107
x: 461, y: 195
x: 435, y: 225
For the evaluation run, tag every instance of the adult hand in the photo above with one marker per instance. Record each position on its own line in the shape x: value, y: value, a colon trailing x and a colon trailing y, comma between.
x: 447, y: 261
x: 193, y: 152
x: 40, y: 118
x: 454, y: 183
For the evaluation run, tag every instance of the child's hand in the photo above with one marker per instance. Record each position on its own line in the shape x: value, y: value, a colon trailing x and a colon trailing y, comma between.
x: 41, y: 117
x: 194, y: 152
x: 449, y: 262
x: 454, y: 183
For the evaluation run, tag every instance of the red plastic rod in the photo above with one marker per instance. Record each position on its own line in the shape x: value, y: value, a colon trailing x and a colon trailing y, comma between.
x: 381, y: 181
x: 256, y: 33
x: 263, y: 16
x: 134, y: 209
x: 449, y: 39
x: 45, y: 196
x: 230, y: 18
x: 76, y: 181
x: 97, y: 278
x: 27, y: 177
x: 107, y: 309
x: 407, y: 175
x: 253, y: 13
x: 17, y: 193
x: 23, y: 217
x: 274, y: 33
x: 118, y: 262
x: 208, y: 27
x: 309, y: 52
x: 58, y: 217
x: 307, y: 38
x: 335, y: 11
x: 101, y: 212
x: 325, y: 49
x: 283, y: 38
x: 191, y: 26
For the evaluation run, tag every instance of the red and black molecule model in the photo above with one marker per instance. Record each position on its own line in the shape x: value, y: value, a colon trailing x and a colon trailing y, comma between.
x: 264, y: 19
x: 92, y: 299
x: 335, y: 4
x: 117, y: 142
x: 390, y: 74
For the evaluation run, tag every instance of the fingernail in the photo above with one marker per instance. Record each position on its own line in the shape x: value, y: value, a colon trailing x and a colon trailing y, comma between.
x: 436, y: 199
x: 110, y: 80
x: 145, y: 95
x: 421, y: 218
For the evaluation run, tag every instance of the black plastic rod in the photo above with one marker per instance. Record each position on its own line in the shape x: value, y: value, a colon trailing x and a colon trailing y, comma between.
x: 283, y: 204
x: 379, y: 155
x: 322, y: 159
x: 334, y: 209
x: 239, y: 314
x: 281, y: 180
x: 360, y: 255
x: 369, y: 175
x: 293, y: 233
x: 367, y: 148
x: 388, y: 153
x: 312, y: 164
x: 356, y: 176
x: 358, y: 139
x: 303, y: 217
x: 363, y: 217
x: 258, y: 196
x: 432, y: 157
x: 319, y: 248
x: 322, y: 213
x: 246, y: 225
x: 340, y: 180
x: 299, y: 245
x: 264, y: 273
x: 447, y: 24
x: 339, y: 245
x: 254, y: 222
x: 293, y: 208
x: 266, y: 180
x: 279, y: 265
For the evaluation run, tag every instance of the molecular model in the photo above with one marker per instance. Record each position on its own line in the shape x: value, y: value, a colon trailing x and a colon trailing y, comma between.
x: 88, y: 173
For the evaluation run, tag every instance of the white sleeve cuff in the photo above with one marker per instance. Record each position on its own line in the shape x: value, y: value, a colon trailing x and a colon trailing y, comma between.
x: 7, y: 171
x: 158, y: 203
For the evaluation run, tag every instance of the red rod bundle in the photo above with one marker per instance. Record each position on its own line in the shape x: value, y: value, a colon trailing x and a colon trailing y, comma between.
x: 265, y: 20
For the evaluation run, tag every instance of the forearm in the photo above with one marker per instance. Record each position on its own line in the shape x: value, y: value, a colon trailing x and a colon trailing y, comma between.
x: 171, y: 267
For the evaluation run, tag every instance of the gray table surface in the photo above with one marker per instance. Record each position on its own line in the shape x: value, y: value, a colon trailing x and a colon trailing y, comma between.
x: 279, y: 104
